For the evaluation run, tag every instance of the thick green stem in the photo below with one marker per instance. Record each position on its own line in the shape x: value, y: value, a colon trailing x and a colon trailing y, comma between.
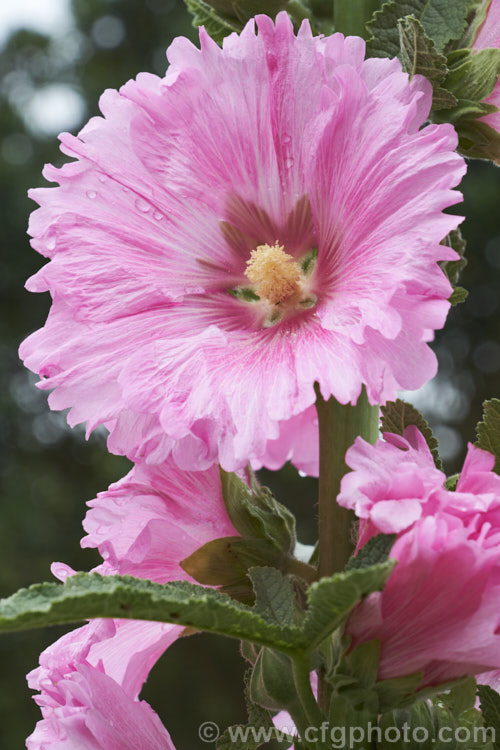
x: 339, y: 426
x: 351, y: 16
x: 307, y: 714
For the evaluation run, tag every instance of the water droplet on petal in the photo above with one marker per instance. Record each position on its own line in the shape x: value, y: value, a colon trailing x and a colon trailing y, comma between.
x: 142, y: 205
x: 286, y: 138
x: 91, y: 194
x: 158, y: 215
x: 102, y: 177
x: 289, y: 162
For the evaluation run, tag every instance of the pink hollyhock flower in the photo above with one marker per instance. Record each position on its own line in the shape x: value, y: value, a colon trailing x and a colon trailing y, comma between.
x: 267, y: 216
x: 156, y: 516
x: 489, y: 36
x: 89, y: 682
x: 90, y: 679
x: 438, y: 613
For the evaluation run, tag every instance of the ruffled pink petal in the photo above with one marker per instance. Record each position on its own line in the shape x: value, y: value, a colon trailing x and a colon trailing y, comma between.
x: 98, y: 715
x: 147, y: 523
x: 151, y: 227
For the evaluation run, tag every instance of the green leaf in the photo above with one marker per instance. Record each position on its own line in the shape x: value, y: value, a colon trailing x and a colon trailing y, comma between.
x: 489, y: 701
x: 398, y: 415
x: 451, y: 482
x: 460, y: 698
x: 454, y: 268
x: 442, y: 20
x: 419, y: 57
x: 256, y: 514
x: 216, y: 25
x: 274, y: 595
x: 89, y: 595
x: 331, y: 599
x: 432, y: 719
x: 459, y: 295
x: 376, y: 550
x: 488, y: 431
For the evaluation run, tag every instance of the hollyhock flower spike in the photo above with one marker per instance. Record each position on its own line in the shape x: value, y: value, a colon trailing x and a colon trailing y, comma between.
x: 267, y: 216
x: 438, y: 613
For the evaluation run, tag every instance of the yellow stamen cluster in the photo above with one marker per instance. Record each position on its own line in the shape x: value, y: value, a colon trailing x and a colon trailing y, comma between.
x: 276, y: 275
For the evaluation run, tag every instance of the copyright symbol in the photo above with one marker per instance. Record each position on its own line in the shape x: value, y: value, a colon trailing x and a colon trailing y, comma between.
x: 208, y: 731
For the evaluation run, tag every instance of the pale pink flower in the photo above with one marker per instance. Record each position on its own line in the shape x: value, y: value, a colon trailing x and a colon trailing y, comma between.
x: 225, y: 176
x: 489, y: 36
x: 148, y: 522
x: 438, y: 614
x: 89, y: 681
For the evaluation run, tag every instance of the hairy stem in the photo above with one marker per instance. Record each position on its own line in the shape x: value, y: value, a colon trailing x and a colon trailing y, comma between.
x: 307, y: 715
x: 339, y: 426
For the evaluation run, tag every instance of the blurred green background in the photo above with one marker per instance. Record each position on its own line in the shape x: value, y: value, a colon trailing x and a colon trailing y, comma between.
x: 50, y: 82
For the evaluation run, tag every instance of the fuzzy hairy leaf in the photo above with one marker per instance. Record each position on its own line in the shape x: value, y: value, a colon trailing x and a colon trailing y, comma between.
x: 375, y: 551
x: 216, y: 24
x: 488, y: 431
x: 419, y: 57
x: 331, y: 599
x: 489, y: 701
x: 398, y: 415
x: 458, y: 295
x: 89, y: 595
x: 442, y: 20
x: 453, y: 268
x: 274, y: 595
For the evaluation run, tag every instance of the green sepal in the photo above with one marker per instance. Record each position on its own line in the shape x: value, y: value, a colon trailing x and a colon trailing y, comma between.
x: 473, y: 75
x: 488, y: 431
x: 225, y: 562
x: 398, y: 691
x: 272, y: 684
x: 442, y: 20
x: 398, y: 415
x: 478, y: 140
x: 256, y: 514
x: 419, y: 57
